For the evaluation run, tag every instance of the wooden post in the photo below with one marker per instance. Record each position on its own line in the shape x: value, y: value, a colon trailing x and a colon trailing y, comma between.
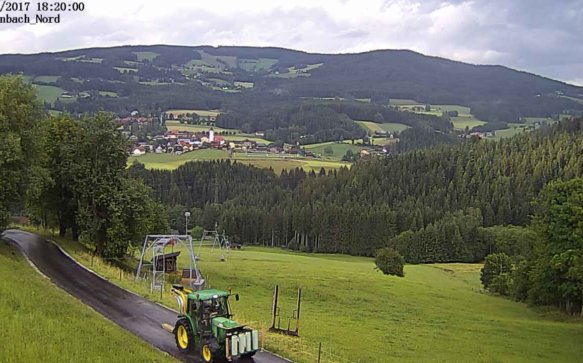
x: 319, y: 351
x: 298, y: 310
x: 274, y: 306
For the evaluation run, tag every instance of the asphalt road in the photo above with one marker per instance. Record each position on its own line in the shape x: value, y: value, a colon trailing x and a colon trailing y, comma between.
x: 133, y: 313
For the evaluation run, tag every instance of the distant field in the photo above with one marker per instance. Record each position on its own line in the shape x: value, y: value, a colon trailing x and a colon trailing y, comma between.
x: 46, y: 79
x: 42, y: 323
x: 51, y: 93
x: 365, y: 100
x: 277, y: 163
x: 108, y: 94
x: 461, y: 122
x: 297, y: 72
x: 402, y: 101
x: 177, y: 126
x: 243, y: 137
x: 244, y: 84
x: 142, y: 56
x: 462, y: 110
x: 509, y: 132
x: 203, y: 113
x: 371, y: 127
x: 338, y: 149
x: 254, y: 65
x: 82, y: 59
x: 218, y: 61
x: 576, y: 99
x: 126, y: 70
x: 531, y: 120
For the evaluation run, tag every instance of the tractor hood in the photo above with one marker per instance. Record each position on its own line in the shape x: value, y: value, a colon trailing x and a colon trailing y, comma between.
x: 220, y: 322
x: 221, y: 325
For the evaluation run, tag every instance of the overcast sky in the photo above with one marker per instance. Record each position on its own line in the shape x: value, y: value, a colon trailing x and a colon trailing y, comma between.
x: 543, y: 37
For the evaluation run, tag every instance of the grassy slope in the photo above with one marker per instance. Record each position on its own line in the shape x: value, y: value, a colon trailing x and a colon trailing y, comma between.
x: 49, y: 93
x: 339, y: 149
x: 435, y: 313
x: 39, y: 320
x: 371, y: 127
x: 173, y: 161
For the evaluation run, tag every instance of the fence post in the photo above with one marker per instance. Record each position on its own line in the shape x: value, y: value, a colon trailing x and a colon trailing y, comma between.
x: 319, y: 351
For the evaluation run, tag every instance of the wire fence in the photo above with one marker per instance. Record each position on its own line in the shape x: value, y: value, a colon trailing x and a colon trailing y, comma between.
x: 310, y: 353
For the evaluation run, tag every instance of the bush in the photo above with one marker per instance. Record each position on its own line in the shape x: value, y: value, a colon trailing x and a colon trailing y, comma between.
x: 495, y: 265
x: 390, y: 262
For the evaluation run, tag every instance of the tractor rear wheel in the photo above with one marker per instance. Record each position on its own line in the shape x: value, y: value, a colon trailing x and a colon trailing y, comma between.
x: 183, y: 335
x: 206, y: 353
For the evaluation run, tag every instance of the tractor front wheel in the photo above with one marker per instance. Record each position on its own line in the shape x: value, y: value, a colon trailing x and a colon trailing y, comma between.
x: 183, y: 336
x: 206, y: 353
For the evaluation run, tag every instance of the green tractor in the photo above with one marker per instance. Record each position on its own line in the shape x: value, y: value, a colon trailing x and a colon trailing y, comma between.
x: 205, y: 324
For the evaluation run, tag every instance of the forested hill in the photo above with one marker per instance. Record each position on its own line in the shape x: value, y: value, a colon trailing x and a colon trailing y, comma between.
x: 154, y: 78
x: 440, y: 197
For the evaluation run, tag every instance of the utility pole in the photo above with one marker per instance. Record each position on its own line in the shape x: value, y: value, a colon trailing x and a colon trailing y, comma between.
x: 186, y: 215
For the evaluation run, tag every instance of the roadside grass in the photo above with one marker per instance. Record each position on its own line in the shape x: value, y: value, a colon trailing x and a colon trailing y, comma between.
x: 40, y: 322
x: 435, y: 313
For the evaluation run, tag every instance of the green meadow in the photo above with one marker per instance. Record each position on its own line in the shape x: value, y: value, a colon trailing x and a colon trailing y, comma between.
x: 371, y: 127
x: 338, y: 149
x: 50, y: 93
x: 40, y: 322
x: 275, y: 162
x: 436, y: 313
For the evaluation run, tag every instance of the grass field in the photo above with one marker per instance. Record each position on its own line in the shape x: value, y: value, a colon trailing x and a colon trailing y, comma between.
x: 40, y: 322
x: 46, y: 79
x: 401, y: 102
x: 509, y: 132
x: 277, y: 163
x: 531, y: 120
x: 461, y: 122
x: 371, y: 127
x: 108, y: 94
x: 254, y: 65
x: 177, y: 126
x: 126, y: 70
x: 338, y: 149
x: 203, y: 113
x: 50, y: 93
x: 142, y: 56
x: 243, y: 84
x: 435, y: 313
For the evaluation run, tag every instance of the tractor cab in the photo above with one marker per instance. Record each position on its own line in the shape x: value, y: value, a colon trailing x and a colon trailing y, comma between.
x: 205, y: 321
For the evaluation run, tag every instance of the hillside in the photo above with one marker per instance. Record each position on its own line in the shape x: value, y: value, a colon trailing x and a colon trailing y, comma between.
x: 157, y: 78
x: 436, y: 313
x: 40, y: 320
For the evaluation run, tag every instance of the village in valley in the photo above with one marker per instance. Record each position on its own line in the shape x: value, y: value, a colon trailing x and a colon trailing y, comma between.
x: 177, y: 133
